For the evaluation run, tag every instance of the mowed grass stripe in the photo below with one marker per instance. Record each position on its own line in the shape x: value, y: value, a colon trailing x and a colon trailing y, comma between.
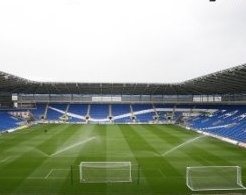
x: 65, y: 155
x: 56, y: 137
x: 74, y: 142
x: 32, y: 169
x: 20, y: 151
x: 56, y: 169
x: 153, y: 139
x: 201, y: 145
x: 91, y: 152
x: 58, y: 161
x: 155, y: 168
x: 95, y: 150
x: 20, y: 134
x: 175, y: 134
x: 229, y: 151
x: 30, y: 160
x: 197, y: 151
x: 230, y: 155
x: 118, y: 150
x: 172, y: 140
x: 117, y: 147
x: 154, y: 136
x: 23, y: 141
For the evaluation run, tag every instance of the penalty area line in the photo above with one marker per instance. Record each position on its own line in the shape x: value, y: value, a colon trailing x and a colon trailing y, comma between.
x: 46, y: 177
x: 5, y: 159
x: 162, y: 174
x: 52, y: 170
x: 35, y: 178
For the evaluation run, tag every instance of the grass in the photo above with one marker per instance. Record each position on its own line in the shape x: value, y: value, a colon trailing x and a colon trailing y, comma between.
x: 33, y: 161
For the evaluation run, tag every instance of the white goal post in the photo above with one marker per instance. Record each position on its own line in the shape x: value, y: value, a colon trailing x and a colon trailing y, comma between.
x: 105, y: 172
x: 204, y: 178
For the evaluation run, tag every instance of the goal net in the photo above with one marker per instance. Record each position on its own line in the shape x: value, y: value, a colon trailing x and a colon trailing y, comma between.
x: 104, y: 172
x: 214, y: 178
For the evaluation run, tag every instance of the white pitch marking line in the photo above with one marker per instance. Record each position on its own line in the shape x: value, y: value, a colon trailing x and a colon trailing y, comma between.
x: 35, y: 178
x: 161, y: 173
x: 61, y: 169
x: 185, y: 143
x: 49, y: 173
x: 5, y: 159
x: 57, y: 178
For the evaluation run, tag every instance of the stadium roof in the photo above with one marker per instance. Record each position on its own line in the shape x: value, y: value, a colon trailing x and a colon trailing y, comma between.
x: 229, y: 81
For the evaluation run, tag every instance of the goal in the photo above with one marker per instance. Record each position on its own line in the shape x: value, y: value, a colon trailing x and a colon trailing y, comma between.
x: 105, y: 172
x: 205, y: 178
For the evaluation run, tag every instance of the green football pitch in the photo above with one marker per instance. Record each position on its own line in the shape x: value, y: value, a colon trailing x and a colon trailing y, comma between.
x: 44, y: 159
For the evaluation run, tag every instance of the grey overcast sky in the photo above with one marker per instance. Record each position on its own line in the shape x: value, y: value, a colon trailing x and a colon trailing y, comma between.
x: 149, y: 41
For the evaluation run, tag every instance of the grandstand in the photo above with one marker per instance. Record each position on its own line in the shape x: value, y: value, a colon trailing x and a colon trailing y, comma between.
x: 213, y: 105
x: 223, y: 92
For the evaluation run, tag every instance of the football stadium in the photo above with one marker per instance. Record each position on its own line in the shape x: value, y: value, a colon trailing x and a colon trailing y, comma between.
x: 133, y: 97
x: 124, y: 138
